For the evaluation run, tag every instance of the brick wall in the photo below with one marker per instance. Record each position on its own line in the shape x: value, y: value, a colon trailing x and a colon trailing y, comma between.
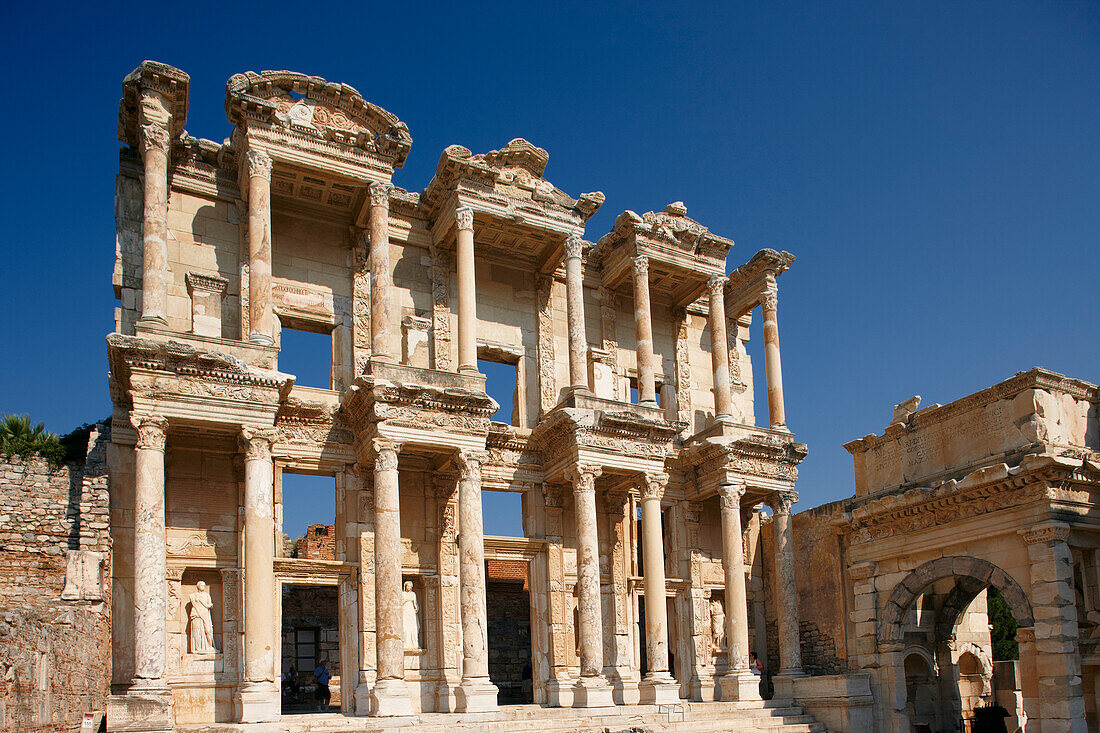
x: 318, y: 543
x: 54, y: 630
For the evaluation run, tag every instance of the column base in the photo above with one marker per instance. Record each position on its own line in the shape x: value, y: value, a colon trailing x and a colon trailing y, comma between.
x: 390, y: 698
x: 559, y: 693
x: 476, y: 695
x: 146, y: 706
x: 783, y: 683
x: 154, y: 321
x: 659, y: 688
x: 260, y: 338
x: 742, y: 685
x: 362, y: 699
x: 593, y: 692
x: 259, y: 702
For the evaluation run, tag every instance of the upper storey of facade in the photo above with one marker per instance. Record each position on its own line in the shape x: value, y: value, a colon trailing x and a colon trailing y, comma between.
x: 293, y: 223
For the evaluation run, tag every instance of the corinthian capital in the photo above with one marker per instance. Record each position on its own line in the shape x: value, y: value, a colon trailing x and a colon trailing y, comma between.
x: 256, y: 443
x: 652, y: 485
x: 469, y: 464
x: 583, y: 477
x: 385, y: 454
x: 154, y: 137
x: 769, y: 301
x: 781, y: 502
x: 641, y: 265
x: 574, y: 246
x: 717, y: 286
x: 464, y: 218
x: 152, y: 432
x: 380, y: 193
x: 259, y: 164
x: 731, y: 495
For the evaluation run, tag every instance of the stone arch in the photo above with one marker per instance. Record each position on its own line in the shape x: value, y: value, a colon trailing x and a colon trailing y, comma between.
x: 984, y: 663
x: 973, y: 574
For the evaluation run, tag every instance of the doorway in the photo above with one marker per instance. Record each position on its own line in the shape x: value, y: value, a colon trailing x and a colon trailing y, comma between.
x: 310, y: 648
x: 508, y: 606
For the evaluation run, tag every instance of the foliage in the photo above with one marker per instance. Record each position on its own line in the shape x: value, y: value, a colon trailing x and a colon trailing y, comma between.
x: 19, y: 437
x: 1003, y: 635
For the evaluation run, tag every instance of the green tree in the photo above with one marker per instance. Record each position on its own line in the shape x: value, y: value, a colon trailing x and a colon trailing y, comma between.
x: 1003, y: 635
x: 19, y: 437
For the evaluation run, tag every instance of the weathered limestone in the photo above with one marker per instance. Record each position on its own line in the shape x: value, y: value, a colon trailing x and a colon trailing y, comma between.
x: 149, y: 558
x: 643, y: 328
x: 769, y: 304
x: 467, y: 299
x: 574, y: 293
x: 154, y: 271
x: 739, y: 683
x: 658, y: 687
x: 592, y: 690
x: 259, y: 694
x: 719, y: 354
x: 390, y: 695
x: 381, y: 274
x: 476, y: 693
x: 786, y: 589
x: 260, y: 312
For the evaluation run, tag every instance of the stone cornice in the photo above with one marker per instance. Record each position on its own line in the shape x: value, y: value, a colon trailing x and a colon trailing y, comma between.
x: 172, y: 84
x: 672, y: 226
x: 127, y: 353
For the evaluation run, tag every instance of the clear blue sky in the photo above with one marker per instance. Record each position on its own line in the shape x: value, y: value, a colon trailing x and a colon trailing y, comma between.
x: 935, y: 167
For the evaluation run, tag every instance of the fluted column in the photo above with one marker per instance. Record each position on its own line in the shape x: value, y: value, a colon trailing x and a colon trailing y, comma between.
x: 643, y: 330
x: 259, y: 248
x: 739, y: 683
x: 390, y: 695
x: 786, y: 589
x: 719, y: 349
x: 467, y: 303
x: 476, y: 693
x: 381, y: 274
x: 592, y: 689
x: 150, y: 567
x: 658, y: 687
x: 154, y: 227
x: 769, y: 304
x: 574, y: 300
x: 259, y: 693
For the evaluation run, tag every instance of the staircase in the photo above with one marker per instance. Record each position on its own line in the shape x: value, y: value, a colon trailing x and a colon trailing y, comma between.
x: 775, y: 716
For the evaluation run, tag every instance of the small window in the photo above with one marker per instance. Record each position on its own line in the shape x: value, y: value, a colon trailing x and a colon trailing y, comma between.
x: 308, y: 356
x: 635, y: 399
x: 502, y: 384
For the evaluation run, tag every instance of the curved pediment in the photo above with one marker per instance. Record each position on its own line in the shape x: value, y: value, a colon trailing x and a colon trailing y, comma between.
x: 312, y: 107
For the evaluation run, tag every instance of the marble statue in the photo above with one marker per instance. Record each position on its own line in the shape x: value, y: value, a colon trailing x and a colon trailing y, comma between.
x: 202, y: 627
x: 411, y: 609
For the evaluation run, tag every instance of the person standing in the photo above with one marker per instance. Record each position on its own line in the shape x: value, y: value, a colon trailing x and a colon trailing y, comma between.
x: 321, y: 676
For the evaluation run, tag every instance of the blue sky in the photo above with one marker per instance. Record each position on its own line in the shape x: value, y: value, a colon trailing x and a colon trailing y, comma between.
x: 935, y: 167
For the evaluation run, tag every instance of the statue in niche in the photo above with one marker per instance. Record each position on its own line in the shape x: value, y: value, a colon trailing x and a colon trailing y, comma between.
x: 717, y: 627
x: 410, y: 607
x: 202, y: 627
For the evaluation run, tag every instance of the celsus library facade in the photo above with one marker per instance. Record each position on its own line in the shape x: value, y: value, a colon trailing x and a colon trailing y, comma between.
x: 658, y: 547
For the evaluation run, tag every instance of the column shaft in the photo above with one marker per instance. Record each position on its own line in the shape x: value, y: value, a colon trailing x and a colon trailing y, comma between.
x: 589, y: 611
x: 259, y: 557
x: 719, y: 349
x: 653, y: 559
x: 387, y: 564
x: 643, y: 330
x: 770, y: 305
x: 786, y: 589
x: 467, y: 303
x: 733, y: 562
x: 574, y: 290
x: 261, y: 321
x: 381, y: 274
x: 150, y: 567
x: 154, y: 254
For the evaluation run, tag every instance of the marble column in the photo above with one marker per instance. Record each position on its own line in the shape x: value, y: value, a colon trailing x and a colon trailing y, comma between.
x: 574, y: 292
x: 659, y: 687
x: 381, y: 274
x: 643, y: 330
x: 769, y: 304
x: 739, y: 683
x: 259, y: 691
x: 786, y: 590
x: 154, y: 226
x: 150, y: 566
x: 390, y: 695
x: 476, y: 693
x: 719, y: 348
x: 260, y: 316
x: 592, y: 690
x: 467, y: 298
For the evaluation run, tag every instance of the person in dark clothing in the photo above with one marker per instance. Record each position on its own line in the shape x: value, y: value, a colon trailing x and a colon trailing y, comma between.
x: 321, y: 676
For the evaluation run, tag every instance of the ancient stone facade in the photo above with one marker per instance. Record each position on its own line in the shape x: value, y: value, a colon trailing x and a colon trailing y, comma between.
x: 999, y: 490
x: 631, y: 509
x: 54, y: 591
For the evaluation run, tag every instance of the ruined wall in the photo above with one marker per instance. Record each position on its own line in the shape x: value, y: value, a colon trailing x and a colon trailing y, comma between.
x: 54, y: 601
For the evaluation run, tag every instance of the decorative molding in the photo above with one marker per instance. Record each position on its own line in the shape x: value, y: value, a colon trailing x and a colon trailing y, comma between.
x: 259, y: 164
x: 256, y: 443
x: 652, y: 485
x: 553, y: 496
x: 206, y: 282
x: 469, y: 464
x: 640, y: 264
x: 781, y: 502
x: 716, y: 286
x: 154, y: 137
x: 464, y: 218
x: 385, y: 454
x: 1046, y: 532
x: 583, y: 477
x: 152, y: 432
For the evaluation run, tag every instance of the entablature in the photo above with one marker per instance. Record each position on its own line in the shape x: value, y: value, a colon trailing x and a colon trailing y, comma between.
x: 749, y: 283
x: 170, y: 85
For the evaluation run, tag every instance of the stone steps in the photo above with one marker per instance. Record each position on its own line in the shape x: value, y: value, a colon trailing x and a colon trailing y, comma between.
x: 686, y: 717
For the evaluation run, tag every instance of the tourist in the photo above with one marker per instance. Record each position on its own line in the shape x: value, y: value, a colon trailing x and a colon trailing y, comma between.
x: 321, y: 676
x: 755, y: 665
x: 290, y: 684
